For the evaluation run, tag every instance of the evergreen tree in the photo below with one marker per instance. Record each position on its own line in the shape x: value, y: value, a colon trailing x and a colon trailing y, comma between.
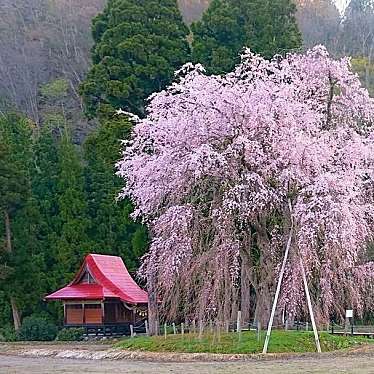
x: 19, y: 215
x: 267, y: 27
x: 138, y: 46
x: 45, y: 192
x: 72, y: 242
x: 112, y: 230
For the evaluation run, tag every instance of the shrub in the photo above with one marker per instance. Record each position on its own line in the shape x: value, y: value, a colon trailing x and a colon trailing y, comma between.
x: 55, y: 89
x: 37, y: 328
x: 7, y: 334
x: 71, y: 334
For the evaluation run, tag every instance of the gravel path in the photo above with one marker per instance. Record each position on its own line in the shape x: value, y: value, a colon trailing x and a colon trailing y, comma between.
x: 360, y: 361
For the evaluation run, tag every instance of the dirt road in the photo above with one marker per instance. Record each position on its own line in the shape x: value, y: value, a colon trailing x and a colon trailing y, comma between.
x: 27, y: 365
x: 359, y: 362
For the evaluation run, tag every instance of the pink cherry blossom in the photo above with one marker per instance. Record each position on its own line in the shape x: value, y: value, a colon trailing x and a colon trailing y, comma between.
x: 213, y: 165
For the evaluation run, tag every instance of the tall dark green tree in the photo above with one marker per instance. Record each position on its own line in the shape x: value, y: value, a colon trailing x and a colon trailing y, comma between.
x: 46, y: 194
x: 138, y: 46
x: 268, y: 27
x: 112, y: 230
x: 18, y: 215
x: 72, y: 241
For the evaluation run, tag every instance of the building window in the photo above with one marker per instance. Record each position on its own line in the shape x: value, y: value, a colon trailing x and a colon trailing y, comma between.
x: 87, y: 278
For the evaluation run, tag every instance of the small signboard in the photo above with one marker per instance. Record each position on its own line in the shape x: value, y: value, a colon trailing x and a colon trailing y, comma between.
x: 349, y: 313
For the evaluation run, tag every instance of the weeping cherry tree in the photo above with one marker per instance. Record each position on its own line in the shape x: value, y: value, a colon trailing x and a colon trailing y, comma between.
x: 225, y: 170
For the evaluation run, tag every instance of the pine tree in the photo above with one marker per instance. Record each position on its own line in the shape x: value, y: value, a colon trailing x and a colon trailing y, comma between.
x: 138, y: 46
x: 267, y: 27
x: 112, y: 230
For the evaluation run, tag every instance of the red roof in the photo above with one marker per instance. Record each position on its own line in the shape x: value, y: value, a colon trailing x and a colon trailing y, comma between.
x: 112, y: 280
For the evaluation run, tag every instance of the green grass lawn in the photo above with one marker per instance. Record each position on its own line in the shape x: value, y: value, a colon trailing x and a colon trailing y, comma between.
x: 281, y: 341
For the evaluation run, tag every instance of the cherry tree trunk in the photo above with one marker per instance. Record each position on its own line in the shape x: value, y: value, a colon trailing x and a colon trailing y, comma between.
x: 266, y: 276
x: 153, y: 317
x: 264, y: 300
x: 245, y: 284
x: 263, y: 306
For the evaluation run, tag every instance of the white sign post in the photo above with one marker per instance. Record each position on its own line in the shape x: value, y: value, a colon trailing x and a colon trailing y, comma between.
x: 348, y: 315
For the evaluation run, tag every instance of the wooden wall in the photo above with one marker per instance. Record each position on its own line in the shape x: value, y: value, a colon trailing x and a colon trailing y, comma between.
x: 73, y: 314
x: 78, y: 314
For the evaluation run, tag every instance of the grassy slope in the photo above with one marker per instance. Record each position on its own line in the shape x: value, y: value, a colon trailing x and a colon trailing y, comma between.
x: 281, y: 341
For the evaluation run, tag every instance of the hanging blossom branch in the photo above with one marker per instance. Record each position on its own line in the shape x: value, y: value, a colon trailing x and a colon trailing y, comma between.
x: 219, y: 157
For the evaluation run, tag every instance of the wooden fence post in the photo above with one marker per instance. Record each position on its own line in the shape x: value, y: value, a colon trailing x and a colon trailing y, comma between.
x: 156, y: 327
x: 174, y: 329
x: 227, y: 326
x: 239, y: 324
x: 182, y: 329
x: 258, y: 331
x: 132, y: 330
x: 146, y: 328
x: 165, y: 330
x: 346, y: 326
x: 201, y: 329
x: 218, y: 325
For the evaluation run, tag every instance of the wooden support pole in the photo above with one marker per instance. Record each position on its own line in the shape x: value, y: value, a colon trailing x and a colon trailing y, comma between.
x: 316, y: 337
x: 174, y: 329
x: 132, y: 331
x: 182, y: 329
x: 280, y: 280
x: 165, y: 330
x: 258, y: 331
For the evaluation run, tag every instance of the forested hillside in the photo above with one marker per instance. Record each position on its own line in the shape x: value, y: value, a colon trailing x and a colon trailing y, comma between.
x: 45, y: 53
x: 45, y: 50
